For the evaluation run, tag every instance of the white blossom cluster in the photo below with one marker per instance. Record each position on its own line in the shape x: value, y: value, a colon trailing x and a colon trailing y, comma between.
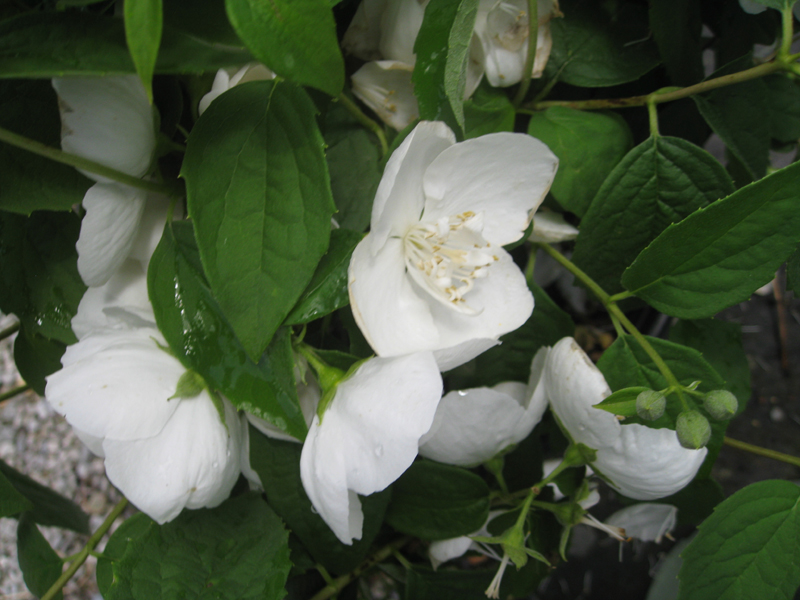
x: 431, y: 287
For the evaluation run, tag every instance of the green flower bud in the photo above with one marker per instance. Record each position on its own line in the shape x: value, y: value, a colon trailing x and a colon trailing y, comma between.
x: 720, y: 404
x: 693, y: 429
x: 650, y: 405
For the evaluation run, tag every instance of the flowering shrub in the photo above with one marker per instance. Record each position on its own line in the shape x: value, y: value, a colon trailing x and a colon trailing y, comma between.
x: 307, y: 343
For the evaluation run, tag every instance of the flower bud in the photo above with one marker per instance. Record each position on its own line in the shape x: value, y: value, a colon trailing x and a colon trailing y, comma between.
x: 650, y: 405
x: 720, y: 404
x: 693, y: 430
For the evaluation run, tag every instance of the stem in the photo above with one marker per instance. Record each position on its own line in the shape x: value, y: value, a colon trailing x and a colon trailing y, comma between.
x: 73, y: 160
x: 656, y: 98
x: 583, y: 277
x: 87, y: 549
x: 787, y: 21
x: 652, y: 113
x: 533, y: 40
x: 9, y: 331
x: 621, y: 296
x: 787, y: 458
x: 13, y: 392
x: 374, y: 127
x: 338, y: 584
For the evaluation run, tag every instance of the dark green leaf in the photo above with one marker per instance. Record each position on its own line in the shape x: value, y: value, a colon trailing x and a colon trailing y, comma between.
x: 83, y: 43
x: 436, y: 501
x: 143, y: 25
x: 278, y: 465
x: 720, y: 343
x: 327, y: 290
x: 793, y: 273
x: 49, y: 508
x: 676, y: 27
x: 622, y: 402
x: 294, y: 38
x: 748, y: 548
x: 783, y: 102
x: 736, y: 114
x: 237, y: 551
x: 588, y: 146
x: 29, y: 182
x: 11, y: 501
x: 721, y: 254
x: 696, y: 501
x: 259, y: 194
x: 626, y: 364
x: 661, y: 181
x: 442, y: 49
x: 130, y: 530
x: 488, y: 111
x: 37, y: 357
x: 424, y: 584
x: 206, y: 20
x: 591, y: 50
x: 39, y: 279
x: 203, y: 340
x: 39, y: 563
x: 338, y: 360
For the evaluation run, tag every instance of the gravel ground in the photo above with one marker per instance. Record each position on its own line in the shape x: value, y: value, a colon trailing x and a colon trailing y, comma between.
x: 38, y: 442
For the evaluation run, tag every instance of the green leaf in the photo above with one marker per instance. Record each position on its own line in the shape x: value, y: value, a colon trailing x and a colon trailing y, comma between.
x: 661, y: 181
x: 11, y: 501
x: 37, y: 357
x: 29, y: 182
x: 588, y: 146
x: 592, y: 50
x: 626, y: 364
x: 424, y: 584
x: 676, y: 27
x: 294, y: 38
x: 278, y: 465
x: 203, y: 340
x: 39, y: 279
x: 748, y: 548
x: 721, y: 254
x: 40, y: 565
x: 132, y: 529
x: 622, y: 402
x: 46, y: 44
x: 737, y: 115
x: 237, y: 551
x: 436, y: 502
x: 793, y: 272
x: 327, y: 290
x: 49, y: 507
x: 143, y: 25
x: 783, y: 101
x: 258, y: 191
x: 206, y: 20
x: 720, y: 343
x: 442, y: 49
x: 488, y: 111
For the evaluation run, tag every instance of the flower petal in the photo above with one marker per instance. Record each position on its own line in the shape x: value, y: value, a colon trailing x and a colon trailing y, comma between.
x: 116, y: 384
x: 647, y: 464
x: 505, y: 176
x: 452, y: 357
x: 399, y: 200
x: 363, y: 35
x: 394, y: 319
x: 441, y: 551
x: 108, y: 230
x: 551, y: 228
x: 385, y: 86
x: 193, y: 462
x: 108, y: 120
x: 400, y: 24
x: 573, y: 386
x: 648, y: 521
x: 151, y: 228
x: 368, y: 436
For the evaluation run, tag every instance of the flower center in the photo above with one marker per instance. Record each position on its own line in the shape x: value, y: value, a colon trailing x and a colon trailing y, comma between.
x: 508, y: 23
x: 445, y: 257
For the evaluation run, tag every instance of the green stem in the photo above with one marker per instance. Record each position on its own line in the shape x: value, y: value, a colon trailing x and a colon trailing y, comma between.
x: 73, y: 160
x: 9, y: 331
x: 621, y: 296
x: 533, y: 39
x: 787, y: 458
x: 658, y: 98
x: 87, y: 549
x: 373, y: 126
x: 579, y: 274
x: 13, y: 392
x: 787, y: 20
x: 652, y: 113
x: 338, y: 584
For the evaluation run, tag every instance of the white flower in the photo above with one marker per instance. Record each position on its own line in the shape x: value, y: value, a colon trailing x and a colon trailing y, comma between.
x: 648, y: 521
x: 116, y: 390
x: 225, y: 79
x: 108, y: 120
x: 368, y: 436
x: 637, y: 461
x: 552, y: 228
x: 432, y: 273
x: 472, y: 426
x: 385, y: 86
